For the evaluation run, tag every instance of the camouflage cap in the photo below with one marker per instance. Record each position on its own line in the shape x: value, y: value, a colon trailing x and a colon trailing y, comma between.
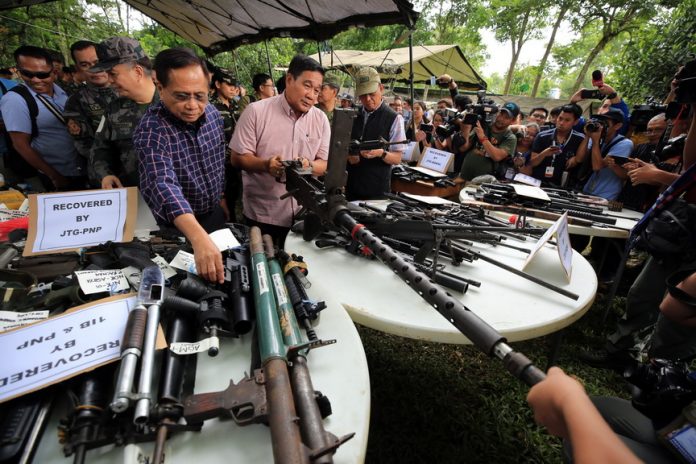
x: 332, y: 81
x: 366, y: 81
x: 117, y: 50
x: 226, y: 75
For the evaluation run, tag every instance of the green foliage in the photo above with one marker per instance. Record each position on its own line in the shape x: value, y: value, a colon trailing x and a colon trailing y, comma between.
x: 651, y: 57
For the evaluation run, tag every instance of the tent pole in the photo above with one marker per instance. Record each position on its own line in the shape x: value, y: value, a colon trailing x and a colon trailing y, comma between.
x: 268, y: 60
x: 319, y: 53
x: 410, y: 79
x: 236, y: 69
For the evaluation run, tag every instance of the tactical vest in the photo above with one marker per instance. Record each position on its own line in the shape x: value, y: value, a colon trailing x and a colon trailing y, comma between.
x: 370, y: 178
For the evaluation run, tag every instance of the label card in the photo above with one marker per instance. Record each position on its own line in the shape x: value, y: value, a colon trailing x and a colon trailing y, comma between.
x: 565, y: 251
x: 224, y: 239
x: 12, y: 319
x: 61, y: 347
x: 437, y: 160
x: 525, y: 179
x: 111, y: 280
x: 531, y: 192
x: 411, y: 152
x: 184, y: 261
x: 68, y: 221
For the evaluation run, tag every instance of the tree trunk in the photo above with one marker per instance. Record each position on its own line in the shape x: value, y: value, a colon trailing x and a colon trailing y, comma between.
x: 516, y: 49
x: 549, y: 46
x: 590, y: 58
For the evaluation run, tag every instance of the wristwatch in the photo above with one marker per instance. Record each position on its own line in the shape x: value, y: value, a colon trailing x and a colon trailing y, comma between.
x: 384, y: 153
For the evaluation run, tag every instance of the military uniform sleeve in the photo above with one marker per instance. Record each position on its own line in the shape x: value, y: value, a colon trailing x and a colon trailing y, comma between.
x: 78, y: 126
x: 103, y: 153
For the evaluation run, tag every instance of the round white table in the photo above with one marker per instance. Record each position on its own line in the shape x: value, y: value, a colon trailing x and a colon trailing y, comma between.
x: 339, y: 371
x: 518, y: 308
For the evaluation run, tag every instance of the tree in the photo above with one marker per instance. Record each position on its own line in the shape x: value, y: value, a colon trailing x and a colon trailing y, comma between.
x: 563, y: 8
x: 616, y: 17
x: 517, y: 21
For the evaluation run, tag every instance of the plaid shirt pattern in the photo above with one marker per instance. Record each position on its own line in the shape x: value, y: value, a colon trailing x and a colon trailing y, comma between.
x: 181, y: 166
x: 671, y: 193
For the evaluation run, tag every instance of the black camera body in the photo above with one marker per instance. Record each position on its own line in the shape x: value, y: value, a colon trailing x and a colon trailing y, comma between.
x: 663, y: 388
x: 642, y: 114
x: 685, y: 91
x: 594, y: 125
x: 427, y: 128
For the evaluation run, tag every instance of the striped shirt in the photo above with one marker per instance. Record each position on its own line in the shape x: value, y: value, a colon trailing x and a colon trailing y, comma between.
x: 181, y: 165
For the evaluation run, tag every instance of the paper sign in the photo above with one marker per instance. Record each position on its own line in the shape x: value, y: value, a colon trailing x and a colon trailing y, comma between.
x: 530, y: 191
x: 164, y: 266
x: 430, y: 200
x: 184, y: 261
x: 224, y: 239
x: 525, y: 179
x: 12, y: 319
x: 51, y: 351
x: 201, y: 346
x: 107, y: 280
x: 68, y: 221
x: 437, y: 160
x: 427, y: 172
x: 565, y: 251
x: 411, y: 152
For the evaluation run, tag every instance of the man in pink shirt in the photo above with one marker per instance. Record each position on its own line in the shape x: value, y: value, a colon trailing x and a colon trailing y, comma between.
x: 275, y: 129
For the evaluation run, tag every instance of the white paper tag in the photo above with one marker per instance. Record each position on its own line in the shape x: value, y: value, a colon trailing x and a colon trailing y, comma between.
x: 132, y: 274
x: 167, y: 270
x: 224, y: 239
x: 7, y: 214
x: 11, y: 319
x: 108, y: 280
x: 525, y: 179
x: 281, y: 293
x: 184, y: 261
x: 200, y: 346
x: 261, y: 274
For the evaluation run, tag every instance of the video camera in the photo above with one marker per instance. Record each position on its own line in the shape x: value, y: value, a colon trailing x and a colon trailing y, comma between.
x: 483, y: 111
x: 642, y: 114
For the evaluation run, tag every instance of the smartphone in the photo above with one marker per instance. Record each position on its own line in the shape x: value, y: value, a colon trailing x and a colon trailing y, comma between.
x: 588, y: 94
x: 620, y: 160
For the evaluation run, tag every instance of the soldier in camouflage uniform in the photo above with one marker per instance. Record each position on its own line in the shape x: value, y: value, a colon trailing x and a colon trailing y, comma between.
x: 327, y: 96
x: 113, y: 162
x: 86, y: 106
x: 226, y: 100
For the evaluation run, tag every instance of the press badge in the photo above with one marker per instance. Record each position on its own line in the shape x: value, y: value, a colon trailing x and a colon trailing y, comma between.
x: 549, y: 171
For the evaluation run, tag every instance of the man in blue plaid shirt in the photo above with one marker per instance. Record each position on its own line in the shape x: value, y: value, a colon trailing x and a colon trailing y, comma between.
x: 181, y: 150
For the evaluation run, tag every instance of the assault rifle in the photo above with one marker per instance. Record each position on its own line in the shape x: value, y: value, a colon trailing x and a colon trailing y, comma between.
x: 325, y: 207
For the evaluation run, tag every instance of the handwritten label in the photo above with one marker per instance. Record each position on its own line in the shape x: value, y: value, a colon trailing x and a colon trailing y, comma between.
x: 78, y: 219
x: 280, y: 291
x: 6, y: 214
x: 201, y: 346
x: 61, y: 347
x: 437, y: 160
x: 261, y: 274
x: 112, y: 280
x: 184, y: 261
x: 167, y: 270
x: 11, y: 319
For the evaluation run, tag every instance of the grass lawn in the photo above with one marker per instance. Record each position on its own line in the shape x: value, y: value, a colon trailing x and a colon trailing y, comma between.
x: 435, y: 403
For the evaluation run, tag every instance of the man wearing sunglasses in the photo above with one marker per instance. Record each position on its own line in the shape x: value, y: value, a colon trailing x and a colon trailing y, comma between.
x: 113, y: 162
x: 180, y: 146
x: 42, y: 142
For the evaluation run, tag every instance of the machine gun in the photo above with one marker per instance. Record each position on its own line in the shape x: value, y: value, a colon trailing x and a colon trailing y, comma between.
x: 326, y: 208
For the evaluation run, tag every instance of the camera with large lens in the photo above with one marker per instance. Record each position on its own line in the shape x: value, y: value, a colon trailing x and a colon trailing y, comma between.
x: 594, y: 125
x: 427, y: 128
x: 642, y: 114
x: 663, y: 388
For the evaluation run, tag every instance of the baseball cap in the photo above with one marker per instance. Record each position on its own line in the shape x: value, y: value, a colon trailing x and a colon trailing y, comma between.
x: 367, y: 81
x: 331, y: 81
x: 117, y: 50
x: 613, y: 114
x: 346, y: 96
x: 511, y: 108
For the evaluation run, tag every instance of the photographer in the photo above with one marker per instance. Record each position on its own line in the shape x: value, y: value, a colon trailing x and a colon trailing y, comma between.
x: 554, y: 151
x: 415, y: 132
x: 608, y: 149
x: 610, y: 97
x: 486, y: 145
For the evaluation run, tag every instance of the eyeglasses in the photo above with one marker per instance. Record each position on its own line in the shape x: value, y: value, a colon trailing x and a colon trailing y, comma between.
x: 539, y: 115
x: 184, y: 97
x: 38, y: 75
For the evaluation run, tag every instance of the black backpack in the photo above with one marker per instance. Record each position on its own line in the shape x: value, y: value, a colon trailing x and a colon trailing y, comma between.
x: 13, y: 159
